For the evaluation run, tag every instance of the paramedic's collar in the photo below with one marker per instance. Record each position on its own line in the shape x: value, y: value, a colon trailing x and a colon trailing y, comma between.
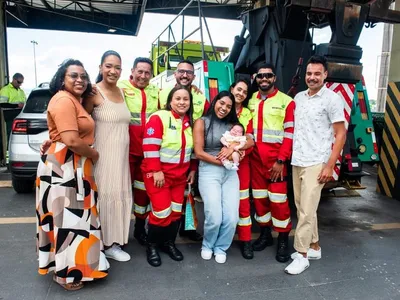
x: 319, y: 94
x: 268, y: 96
x: 177, y: 116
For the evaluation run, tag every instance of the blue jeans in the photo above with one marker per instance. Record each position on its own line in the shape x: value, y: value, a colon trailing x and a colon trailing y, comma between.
x: 219, y: 189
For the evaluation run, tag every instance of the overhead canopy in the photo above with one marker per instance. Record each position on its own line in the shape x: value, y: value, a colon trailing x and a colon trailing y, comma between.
x: 108, y: 16
x: 97, y: 16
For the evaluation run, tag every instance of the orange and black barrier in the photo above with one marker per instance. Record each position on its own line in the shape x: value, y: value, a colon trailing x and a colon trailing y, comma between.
x: 389, y: 167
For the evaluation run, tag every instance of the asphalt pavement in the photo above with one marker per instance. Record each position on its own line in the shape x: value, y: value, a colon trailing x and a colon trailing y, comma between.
x: 360, y: 239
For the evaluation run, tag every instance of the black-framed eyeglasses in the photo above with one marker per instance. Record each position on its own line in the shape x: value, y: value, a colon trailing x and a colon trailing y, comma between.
x: 20, y: 82
x: 75, y: 76
x: 265, y: 75
x: 188, y: 72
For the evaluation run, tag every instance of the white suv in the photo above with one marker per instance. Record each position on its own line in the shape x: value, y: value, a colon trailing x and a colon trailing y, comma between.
x: 29, y: 130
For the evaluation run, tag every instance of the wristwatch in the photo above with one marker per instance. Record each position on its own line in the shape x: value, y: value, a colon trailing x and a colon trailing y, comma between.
x: 280, y: 161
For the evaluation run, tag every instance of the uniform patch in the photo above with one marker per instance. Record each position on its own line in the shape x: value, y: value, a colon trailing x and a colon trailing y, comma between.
x: 150, y: 131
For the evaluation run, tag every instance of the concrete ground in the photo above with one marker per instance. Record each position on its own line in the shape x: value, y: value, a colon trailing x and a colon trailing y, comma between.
x: 359, y: 238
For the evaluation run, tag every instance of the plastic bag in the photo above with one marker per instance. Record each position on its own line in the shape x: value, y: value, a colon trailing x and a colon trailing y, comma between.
x: 190, y: 212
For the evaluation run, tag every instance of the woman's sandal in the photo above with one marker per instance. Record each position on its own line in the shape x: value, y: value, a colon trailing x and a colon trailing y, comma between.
x: 69, y: 286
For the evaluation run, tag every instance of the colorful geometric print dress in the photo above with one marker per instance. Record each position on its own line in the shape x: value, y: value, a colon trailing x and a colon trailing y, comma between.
x: 68, y: 228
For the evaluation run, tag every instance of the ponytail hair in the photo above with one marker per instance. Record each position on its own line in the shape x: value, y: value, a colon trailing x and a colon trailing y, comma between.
x: 103, y: 58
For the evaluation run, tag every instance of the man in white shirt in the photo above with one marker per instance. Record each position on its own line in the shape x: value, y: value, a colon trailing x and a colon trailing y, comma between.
x: 319, y: 120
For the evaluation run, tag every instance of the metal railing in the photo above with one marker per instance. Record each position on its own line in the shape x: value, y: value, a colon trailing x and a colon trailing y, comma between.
x: 175, y: 45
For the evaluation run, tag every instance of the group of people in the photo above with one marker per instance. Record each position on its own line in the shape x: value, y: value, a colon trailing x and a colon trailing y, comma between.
x: 239, y: 144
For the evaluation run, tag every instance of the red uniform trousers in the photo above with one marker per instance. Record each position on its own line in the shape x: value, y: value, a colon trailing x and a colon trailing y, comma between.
x: 141, y: 200
x: 166, y: 202
x: 244, y: 225
x: 270, y: 198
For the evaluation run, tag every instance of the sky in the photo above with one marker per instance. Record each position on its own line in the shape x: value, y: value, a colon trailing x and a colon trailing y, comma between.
x: 56, y: 46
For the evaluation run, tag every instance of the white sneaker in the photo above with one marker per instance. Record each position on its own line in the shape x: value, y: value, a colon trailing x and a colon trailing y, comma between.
x: 206, y: 254
x: 311, y: 254
x: 220, y: 258
x: 298, y: 265
x: 116, y: 253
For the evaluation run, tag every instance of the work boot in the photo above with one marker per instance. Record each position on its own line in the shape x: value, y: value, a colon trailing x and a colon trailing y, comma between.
x: 264, y: 240
x: 282, y: 251
x: 154, y: 238
x: 190, y: 234
x: 247, y: 250
x: 169, y: 245
x: 140, y: 231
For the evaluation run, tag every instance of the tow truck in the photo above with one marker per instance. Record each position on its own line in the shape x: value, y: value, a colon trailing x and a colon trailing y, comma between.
x: 280, y: 32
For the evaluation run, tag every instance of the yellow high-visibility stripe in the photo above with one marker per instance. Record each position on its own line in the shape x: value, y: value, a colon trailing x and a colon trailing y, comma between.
x: 244, y: 221
x: 163, y: 213
x: 263, y: 219
x: 277, y: 198
x: 139, y: 185
x: 280, y: 223
x: 259, y: 194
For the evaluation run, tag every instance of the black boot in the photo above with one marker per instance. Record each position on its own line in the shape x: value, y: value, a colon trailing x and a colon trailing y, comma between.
x: 153, y: 239
x: 282, y: 251
x: 247, y: 250
x: 140, y: 231
x: 264, y: 240
x: 190, y: 234
x: 169, y: 245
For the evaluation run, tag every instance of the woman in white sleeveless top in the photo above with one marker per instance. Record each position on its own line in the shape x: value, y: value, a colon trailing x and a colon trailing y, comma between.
x: 111, y: 171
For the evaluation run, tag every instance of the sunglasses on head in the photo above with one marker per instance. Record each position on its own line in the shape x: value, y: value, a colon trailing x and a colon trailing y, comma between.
x: 265, y: 75
x: 74, y: 76
x: 182, y: 71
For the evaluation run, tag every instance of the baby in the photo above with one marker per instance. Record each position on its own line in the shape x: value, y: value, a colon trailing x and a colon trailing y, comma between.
x: 235, y: 137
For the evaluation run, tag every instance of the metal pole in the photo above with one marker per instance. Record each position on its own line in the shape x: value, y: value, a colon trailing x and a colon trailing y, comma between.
x: 34, y: 60
x: 177, y: 16
x: 209, y: 36
x: 201, y: 31
x: 183, y: 34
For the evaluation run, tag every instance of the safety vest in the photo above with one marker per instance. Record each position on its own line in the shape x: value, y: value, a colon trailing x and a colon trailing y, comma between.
x: 9, y: 94
x: 269, y: 116
x: 141, y: 102
x: 199, y: 101
x: 245, y: 117
x: 176, y: 146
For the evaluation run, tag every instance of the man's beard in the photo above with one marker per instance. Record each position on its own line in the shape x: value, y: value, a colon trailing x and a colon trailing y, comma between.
x: 265, y: 88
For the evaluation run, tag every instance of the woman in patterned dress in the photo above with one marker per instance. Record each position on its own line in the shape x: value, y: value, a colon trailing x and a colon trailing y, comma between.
x: 68, y: 227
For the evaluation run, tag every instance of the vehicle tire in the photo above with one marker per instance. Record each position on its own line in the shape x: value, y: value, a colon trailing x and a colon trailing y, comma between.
x: 22, y: 186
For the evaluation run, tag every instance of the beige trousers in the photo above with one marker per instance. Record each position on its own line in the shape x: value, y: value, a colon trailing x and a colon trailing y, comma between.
x: 307, y: 193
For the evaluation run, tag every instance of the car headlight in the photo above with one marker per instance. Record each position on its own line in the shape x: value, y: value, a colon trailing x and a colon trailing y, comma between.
x: 362, y: 148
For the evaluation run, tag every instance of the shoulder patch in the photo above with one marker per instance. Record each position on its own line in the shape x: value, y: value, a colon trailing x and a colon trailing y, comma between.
x: 150, y: 131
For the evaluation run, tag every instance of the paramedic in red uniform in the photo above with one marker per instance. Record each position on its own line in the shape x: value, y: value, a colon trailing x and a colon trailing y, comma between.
x: 167, y: 149
x: 240, y: 90
x: 141, y: 98
x: 273, y: 125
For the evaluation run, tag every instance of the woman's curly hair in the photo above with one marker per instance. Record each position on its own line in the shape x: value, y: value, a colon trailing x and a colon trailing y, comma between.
x: 57, y: 82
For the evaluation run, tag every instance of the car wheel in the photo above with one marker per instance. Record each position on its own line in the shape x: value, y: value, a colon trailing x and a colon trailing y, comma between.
x: 22, y: 186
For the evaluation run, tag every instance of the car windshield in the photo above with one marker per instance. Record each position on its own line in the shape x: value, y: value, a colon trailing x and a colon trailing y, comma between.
x: 37, y: 102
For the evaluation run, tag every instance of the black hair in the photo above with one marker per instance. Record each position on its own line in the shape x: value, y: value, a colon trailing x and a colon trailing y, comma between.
x: 318, y: 59
x: 186, y: 61
x: 17, y: 75
x: 267, y: 65
x: 240, y: 125
x: 57, y: 82
x: 231, y: 118
x: 103, y: 58
x: 143, y: 60
x: 245, y: 102
x: 171, y: 95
